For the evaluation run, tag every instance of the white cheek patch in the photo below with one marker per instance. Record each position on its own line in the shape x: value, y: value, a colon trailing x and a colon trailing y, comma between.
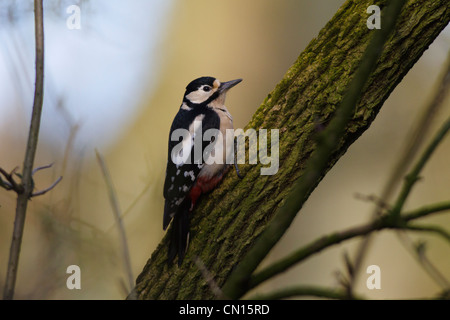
x: 199, y: 96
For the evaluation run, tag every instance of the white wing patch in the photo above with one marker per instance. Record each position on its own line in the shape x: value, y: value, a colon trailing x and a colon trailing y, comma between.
x: 178, y: 201
x: 181, y: 152
x: 190, y: 173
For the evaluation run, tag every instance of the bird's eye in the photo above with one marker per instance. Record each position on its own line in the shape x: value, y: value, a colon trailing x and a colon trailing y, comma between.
x: 206, y: 88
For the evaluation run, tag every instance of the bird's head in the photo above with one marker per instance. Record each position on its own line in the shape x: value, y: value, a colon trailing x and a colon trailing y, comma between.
x: 207, y: 89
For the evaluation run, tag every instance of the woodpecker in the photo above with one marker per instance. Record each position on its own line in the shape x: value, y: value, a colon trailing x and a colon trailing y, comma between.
x: 188, y: 173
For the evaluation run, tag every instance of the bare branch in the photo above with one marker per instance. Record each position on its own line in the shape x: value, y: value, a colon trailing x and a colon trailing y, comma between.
x: 11, y: 184
x: 432, y: 229
x: 304, y: 291
x: 413, y: 176
x: 4, y: 184
x: 40, y: 193
x: 419, y: 253
x: 41, y: 168
x: 426, y: 211
x: 117, y: 215
x: 27, y: 183
x: 379, y: 203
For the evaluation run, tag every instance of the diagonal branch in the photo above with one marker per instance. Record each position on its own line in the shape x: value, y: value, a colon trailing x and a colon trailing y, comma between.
x: 118, y: 217
x: 413, y: 176
x: 235, y: 287
x: 10, y: 183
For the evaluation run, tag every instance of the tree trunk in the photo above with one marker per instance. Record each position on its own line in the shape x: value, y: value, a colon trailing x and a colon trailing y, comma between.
x: 228, y: 220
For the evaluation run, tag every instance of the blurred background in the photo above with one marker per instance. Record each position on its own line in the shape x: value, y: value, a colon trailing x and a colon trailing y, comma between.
x: 115, y: 84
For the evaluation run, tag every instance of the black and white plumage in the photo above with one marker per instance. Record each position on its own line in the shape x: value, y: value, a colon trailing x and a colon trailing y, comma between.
x: 187, y: 174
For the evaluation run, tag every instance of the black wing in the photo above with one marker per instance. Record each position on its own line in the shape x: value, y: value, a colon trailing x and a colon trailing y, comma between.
x: 180, y: 178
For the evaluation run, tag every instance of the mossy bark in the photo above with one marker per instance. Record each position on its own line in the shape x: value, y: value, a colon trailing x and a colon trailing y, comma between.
x: 228, y: 220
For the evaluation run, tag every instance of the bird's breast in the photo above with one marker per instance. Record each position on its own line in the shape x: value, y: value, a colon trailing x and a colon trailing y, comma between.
x: 225, y: 149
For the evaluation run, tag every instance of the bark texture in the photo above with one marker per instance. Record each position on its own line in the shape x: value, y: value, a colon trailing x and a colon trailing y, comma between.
x: 228, y: 220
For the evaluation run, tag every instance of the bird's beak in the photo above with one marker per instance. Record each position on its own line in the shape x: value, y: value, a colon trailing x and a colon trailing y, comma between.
x: 225, y: 86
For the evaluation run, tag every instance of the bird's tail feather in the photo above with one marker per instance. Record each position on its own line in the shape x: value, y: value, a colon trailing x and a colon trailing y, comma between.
x: 179, y: 238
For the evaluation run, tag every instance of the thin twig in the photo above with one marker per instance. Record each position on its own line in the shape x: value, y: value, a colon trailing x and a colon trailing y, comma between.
x: 117, y: 215
x: 40, y: 193
x: 418, y: 252
x: 426, y: 211
x: 11, y: 184
x: 41, y: 168
x: 304, y: 291
x: 5, y: 184
x: 381, y: 206
x: 413, y: 176
x: 22, y: 199
x: 430, y: 228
